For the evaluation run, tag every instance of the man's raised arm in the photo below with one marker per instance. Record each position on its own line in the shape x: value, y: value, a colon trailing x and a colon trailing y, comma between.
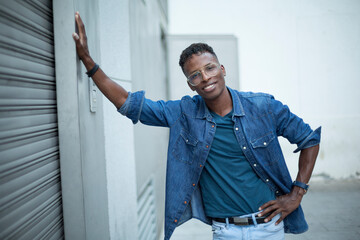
x: 114, y: 92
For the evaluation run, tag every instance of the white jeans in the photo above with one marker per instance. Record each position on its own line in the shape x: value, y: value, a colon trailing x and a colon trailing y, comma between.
x: 268, y: 231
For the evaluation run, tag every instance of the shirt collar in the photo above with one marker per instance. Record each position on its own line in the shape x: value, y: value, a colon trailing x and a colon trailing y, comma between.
x: 237, y: 106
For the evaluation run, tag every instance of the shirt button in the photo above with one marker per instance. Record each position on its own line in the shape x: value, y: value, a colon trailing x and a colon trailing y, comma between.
x: 200, y: 165
x: 175, y: 220
x: 207, y: 146
x: 212, y: 126
x: 265, y: 143
x: 185, y: 202
x: 236, y: 129
x: 244, y: 147
x: 193, y: 184
x: 187, y: 140
x: 254, y: 164
x: 267, y: 180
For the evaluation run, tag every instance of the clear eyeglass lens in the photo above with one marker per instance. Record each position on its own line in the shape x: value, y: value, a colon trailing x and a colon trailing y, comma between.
x: 195, y: 76
x: 210, y: 71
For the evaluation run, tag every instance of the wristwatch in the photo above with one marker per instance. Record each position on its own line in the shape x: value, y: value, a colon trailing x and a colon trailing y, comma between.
x: 302, y: 185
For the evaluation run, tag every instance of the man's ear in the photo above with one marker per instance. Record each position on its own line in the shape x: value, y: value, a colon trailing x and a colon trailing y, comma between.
x: 223, y: 70
x: 191, y: 87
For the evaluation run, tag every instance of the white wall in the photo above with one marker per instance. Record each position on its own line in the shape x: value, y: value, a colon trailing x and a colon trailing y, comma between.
x: 306, y: 53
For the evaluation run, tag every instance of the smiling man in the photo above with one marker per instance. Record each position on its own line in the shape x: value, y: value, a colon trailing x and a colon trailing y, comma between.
x: 225, y: 166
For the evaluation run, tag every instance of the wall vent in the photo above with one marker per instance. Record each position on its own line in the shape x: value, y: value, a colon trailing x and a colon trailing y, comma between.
x: 146, y: 212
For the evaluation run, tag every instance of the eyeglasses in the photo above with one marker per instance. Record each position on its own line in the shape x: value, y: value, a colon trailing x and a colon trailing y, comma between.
x: 210, y: 70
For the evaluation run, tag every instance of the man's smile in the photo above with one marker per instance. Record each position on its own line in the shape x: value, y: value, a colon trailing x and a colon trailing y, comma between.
x: 209, y: 87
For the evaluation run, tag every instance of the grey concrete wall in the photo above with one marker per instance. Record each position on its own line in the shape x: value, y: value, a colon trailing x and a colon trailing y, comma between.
x: 68, y: 121
x: 105, y: 159
x: 82, y: 161
x: 115, y: 59
x: 96, y: 148
x: 149, y: 73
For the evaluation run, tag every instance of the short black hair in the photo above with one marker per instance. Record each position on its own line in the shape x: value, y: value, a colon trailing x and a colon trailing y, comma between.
x: 195, y: 48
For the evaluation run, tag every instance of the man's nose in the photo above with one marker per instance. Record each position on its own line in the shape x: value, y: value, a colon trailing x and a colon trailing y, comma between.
x: 205, y: 77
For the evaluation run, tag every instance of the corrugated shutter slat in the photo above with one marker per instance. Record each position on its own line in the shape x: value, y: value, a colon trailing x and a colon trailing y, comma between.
x: 30, y: 187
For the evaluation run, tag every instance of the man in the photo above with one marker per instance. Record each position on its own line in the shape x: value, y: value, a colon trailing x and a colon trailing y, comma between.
x: 225, y: 165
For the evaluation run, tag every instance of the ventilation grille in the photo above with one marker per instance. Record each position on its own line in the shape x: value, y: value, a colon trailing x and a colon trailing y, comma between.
x: 146, y: 212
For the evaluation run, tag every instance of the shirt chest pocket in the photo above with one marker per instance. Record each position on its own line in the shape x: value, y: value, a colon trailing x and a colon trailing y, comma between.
x: 185, y: 147
x: 263, y: 141
x: 266, y: 148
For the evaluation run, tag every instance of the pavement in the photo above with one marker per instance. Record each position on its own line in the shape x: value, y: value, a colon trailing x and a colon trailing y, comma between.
x: 332, y: 210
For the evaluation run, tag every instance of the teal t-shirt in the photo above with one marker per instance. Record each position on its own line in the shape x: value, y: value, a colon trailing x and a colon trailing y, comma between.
x: 229, y: 185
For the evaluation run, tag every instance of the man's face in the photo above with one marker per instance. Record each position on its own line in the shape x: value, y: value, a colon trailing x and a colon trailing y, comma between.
x: 211, y: 87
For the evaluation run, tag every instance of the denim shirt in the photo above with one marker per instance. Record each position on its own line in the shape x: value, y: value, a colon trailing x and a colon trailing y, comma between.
x: 258, y: 120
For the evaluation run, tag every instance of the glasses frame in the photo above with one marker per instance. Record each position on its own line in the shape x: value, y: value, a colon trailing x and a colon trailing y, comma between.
x: 218, y: 65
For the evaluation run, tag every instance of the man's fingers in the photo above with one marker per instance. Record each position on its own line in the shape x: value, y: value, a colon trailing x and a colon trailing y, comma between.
x: 280, y: 219
x: 272, y: 215
x: 80, y: 25
x: 266, y: 211
x: 269, y: 210
x: 75, y: 36
x: 266, y: 205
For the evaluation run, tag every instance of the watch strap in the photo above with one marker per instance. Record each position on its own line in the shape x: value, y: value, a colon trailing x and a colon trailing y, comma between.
x: 302, y: 185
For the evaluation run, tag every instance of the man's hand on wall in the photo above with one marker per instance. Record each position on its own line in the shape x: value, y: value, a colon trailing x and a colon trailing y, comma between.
x: 81, y: 43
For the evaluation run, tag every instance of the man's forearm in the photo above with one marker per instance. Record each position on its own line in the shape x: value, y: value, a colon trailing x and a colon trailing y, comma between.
x: 307, y: 161
x: 114, y: 92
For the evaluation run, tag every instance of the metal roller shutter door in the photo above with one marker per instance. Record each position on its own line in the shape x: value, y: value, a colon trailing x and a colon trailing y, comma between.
x: 30, y: 189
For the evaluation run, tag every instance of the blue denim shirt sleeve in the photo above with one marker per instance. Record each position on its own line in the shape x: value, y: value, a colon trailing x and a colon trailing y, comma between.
x: 293, y: 127
x: 154, y: 113
x: 133, y: 105
x: 312, y: 140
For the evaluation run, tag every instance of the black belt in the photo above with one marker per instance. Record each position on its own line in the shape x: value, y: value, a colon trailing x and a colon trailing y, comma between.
x: 241, y: 221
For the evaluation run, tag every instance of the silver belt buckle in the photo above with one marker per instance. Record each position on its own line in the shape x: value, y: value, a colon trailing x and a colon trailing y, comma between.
x: 240, y: 221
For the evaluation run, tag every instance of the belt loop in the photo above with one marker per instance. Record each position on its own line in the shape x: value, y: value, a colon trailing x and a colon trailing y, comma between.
x: 227, y: 223
x: 254, y: 219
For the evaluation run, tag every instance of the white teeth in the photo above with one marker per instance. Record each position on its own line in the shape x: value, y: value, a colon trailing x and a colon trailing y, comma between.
x: 210, y: 86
